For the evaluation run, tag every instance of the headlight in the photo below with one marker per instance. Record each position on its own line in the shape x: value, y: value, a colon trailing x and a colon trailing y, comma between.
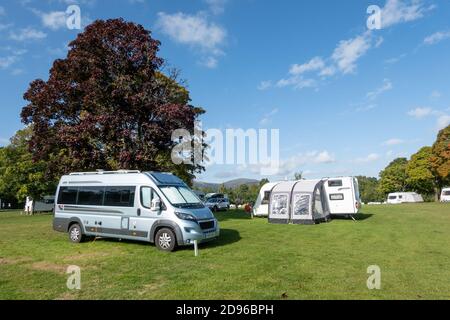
x: 185, y: 216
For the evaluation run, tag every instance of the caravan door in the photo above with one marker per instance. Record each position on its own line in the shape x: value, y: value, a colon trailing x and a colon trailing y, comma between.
x: 341, y: 194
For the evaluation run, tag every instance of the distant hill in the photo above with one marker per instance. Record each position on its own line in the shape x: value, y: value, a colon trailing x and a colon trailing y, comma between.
x: 232, y: 184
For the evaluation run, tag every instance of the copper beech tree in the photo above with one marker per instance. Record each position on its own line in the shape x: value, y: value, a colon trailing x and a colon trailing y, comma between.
x: 108, y: 106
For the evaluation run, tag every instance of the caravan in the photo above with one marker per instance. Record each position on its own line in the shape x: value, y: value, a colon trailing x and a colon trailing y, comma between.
x: 342, y: 197
x: 404, y: 197
x: 153, y: 207
x: 445, y: 195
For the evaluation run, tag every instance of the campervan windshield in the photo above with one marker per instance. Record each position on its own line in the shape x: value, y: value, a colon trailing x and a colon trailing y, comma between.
x: 182, y: 197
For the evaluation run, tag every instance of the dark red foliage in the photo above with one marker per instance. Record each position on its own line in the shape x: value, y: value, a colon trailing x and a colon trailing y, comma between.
x: 102, y: 106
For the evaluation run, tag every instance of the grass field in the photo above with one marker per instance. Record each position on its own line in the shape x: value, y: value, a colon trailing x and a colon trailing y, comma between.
x: 252, y: 260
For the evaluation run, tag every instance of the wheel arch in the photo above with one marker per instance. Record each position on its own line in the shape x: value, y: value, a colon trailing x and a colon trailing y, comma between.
x: 160, y: 224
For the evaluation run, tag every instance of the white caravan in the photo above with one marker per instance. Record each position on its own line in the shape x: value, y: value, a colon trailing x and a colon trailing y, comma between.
x: 404, y: 197
x: 343, y: 196
x: 445, y: 195
x: 261, y: 207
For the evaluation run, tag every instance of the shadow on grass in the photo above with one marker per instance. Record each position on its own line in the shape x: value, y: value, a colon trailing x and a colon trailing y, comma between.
x: 358, y: 217
x: 227, y: 236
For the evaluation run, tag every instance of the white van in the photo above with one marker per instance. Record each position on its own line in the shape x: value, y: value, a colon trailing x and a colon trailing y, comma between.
x: 445, y: 195
x: 153, y: 207
x: 404, y: 197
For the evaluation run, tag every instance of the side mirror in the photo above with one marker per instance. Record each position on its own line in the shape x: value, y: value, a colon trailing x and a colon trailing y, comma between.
x: 156, y: 205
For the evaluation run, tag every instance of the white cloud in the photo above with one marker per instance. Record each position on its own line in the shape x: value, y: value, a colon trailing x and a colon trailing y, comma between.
x: 268, y: 117
x: 370, y: 158
x: 195, y: 31
x: 54, y: 20
x: 437, y: 37
x: 400, y: 11
x: 210, y: 62
x: 420, y: 112
x: 27, y: 34
x: 313, y: 65
x: 216, y: 6
x: 264, y: 85
x: 323, y: 157
x: 443, y: 121
x: 349, y: 51
x: 393, y: 142
x: 297, y: 82
x: 387, y: 85
x: 8, y: 61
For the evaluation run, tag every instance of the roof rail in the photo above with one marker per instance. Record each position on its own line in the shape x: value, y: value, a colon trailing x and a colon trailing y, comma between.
x: 104, y: 172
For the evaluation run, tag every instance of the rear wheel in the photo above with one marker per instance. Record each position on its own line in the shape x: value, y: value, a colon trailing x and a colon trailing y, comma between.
x: 165, y: 240
x: 76, y: 233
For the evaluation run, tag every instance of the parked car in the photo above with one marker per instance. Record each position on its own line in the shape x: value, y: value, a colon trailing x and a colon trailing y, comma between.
x: 217, y: 204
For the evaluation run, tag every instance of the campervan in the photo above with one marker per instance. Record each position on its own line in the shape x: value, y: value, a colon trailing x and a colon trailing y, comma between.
x: 154, y: 207
x: 445, y: 195
x: 404, y: 197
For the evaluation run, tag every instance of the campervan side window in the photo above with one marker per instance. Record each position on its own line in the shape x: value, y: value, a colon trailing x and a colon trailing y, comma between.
x: 67, y: 195
x: 97, y: 196
x: 91, y: 196
x: 119, y: 196
x: 266, y: 198
x: 335, y: 183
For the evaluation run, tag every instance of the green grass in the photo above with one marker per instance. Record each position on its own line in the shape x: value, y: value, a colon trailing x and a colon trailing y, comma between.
x: 252, y: 260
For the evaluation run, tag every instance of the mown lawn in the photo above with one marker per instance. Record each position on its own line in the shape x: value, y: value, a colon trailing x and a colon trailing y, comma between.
x: 252, y: 260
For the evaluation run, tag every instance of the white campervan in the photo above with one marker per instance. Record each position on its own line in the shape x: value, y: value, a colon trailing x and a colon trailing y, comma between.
x: 150, y: 206
x: 404, y: 197
x: 445, y: 195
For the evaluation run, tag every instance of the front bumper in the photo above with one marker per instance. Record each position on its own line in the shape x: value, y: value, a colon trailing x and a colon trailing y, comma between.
x: 193, y: 233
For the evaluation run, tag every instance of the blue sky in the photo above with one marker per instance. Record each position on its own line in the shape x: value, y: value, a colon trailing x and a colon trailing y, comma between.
x: 346, y: 100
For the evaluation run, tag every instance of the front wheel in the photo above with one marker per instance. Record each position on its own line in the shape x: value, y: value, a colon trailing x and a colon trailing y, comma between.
x: 76, y: 233
x: 165, y: 240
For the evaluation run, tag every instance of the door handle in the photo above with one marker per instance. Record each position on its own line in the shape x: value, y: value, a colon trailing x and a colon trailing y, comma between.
x: 138, y: 212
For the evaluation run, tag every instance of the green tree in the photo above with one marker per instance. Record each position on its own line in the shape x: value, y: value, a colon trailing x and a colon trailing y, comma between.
x: 298, y: 176
x: 420, y: 177
x: 394, y: 178
x: 20, y: 176
x: 440, y: 159
x: 368, y: 187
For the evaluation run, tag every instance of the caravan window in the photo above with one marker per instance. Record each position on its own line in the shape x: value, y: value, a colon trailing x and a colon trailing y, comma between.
x: 301, y: 206
x: 446, y: 193
x: 266, y: 198
x: 279, y: 204
x: 90, y: 196
x: 119, y: 196
x: 67, y: 195
x: 392, y: 197
x: 335, y: 183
